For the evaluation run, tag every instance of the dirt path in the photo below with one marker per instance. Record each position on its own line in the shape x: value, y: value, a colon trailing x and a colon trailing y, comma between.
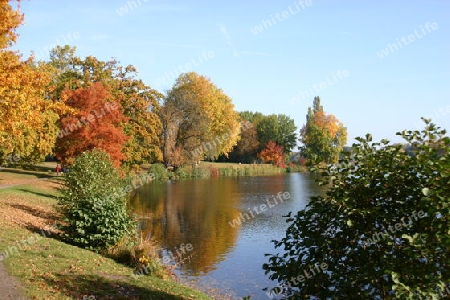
x: 9, y: 287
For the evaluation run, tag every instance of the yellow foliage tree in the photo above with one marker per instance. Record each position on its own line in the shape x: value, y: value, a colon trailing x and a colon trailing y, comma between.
x: 28, y: 128
x: 198, y: 119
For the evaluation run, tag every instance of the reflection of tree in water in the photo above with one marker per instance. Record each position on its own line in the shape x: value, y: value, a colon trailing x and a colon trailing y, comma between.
x: 199, y: 211
x: 195, y: 212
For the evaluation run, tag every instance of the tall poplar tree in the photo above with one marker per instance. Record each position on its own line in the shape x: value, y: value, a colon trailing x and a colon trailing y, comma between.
x: 323, y: 136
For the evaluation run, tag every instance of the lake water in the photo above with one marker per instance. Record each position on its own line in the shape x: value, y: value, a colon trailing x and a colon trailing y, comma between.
x: 204, y: 213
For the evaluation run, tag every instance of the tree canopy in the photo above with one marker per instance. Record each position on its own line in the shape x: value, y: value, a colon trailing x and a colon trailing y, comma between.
x: 273, y: 153
x: 139, y: 102
x: 95, y: 124
x: 199, y: 121
x: 323, y: 136
x: 28, y: 128
x: 247, y: 147
x: 278, y: 128
x: 258, y: 130
x: 195, y: 120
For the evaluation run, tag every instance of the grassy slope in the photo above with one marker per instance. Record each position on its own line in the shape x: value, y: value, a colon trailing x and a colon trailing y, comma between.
x: 50, y: 269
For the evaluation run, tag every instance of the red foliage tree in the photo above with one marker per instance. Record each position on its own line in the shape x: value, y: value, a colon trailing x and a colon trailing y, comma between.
x: 273, y: 153
x: 95, y: 123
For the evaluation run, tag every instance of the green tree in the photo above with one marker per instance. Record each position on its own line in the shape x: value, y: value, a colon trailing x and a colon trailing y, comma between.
x: 280, y: 129
x: 94, y: 204
x: 380, y: 232
x: 252, y: 117
x: 323, y: 136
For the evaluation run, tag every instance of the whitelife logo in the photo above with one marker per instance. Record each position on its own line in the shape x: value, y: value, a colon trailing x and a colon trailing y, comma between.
x: 263, y: 207
x: 411, y: 38
x: 265, y: 24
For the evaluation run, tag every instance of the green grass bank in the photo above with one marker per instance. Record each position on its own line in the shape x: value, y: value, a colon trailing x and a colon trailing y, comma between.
x: 50, y: 269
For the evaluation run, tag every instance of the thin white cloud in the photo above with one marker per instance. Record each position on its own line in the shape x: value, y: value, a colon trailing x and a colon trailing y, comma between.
x: 224, y: 31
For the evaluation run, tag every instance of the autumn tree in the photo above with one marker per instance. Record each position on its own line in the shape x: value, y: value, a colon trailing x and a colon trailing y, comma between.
x: 139, y: 102
x: 265, y: 128
x: 273, y: 153
x: 140, y: 105
x: 323, y: 136
x: 28, y: 129
x: 199, y: 121
x: 95, y: 124
x: 10, y: 20
x: 247, y: 147
x: 278, y: 128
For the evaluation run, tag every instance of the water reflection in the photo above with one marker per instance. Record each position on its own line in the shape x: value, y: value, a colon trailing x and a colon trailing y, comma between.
x: 195, y: 212
x: 199, y: 212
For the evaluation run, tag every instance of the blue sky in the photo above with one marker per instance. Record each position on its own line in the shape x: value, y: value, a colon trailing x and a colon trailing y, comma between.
x: 327, y: 48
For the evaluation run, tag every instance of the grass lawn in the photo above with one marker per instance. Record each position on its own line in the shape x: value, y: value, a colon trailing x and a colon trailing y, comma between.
x: 51, y: 269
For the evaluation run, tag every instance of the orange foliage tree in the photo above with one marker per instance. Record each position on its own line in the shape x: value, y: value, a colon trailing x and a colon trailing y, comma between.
x: 273, y: 153
x: 95, y: 124
x: 139, y: 102
x: 327, y: 121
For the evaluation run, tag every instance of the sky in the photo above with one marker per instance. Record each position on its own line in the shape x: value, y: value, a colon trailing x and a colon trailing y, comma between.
x: 378, y: 66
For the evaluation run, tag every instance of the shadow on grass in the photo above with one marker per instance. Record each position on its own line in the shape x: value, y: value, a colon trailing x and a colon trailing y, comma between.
x: 26, y: 172
x: 36, y: 193
x: 39, y: 168
x: 35, y: 212
x: 79, y: 286
x: 51, y: 220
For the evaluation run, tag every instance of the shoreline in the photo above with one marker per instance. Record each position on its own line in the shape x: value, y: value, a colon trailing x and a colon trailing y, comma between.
x: 26, y: 209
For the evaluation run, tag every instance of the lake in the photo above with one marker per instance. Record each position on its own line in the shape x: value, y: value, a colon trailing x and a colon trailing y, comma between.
x: 222, y: 227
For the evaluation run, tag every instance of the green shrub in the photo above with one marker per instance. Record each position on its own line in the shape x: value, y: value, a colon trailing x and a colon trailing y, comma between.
x: 224, y: 172
x: 381, y: 231
x: 160, y: 171
x: 182, y: 173
x: 201, y: 172
x: 93, y: 204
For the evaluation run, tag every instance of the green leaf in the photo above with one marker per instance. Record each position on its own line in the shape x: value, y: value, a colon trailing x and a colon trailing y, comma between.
x: 426, y: 191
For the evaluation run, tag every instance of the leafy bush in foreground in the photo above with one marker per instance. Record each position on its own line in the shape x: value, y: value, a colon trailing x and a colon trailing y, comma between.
x: 93, y: 204
x: 381, y: 231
